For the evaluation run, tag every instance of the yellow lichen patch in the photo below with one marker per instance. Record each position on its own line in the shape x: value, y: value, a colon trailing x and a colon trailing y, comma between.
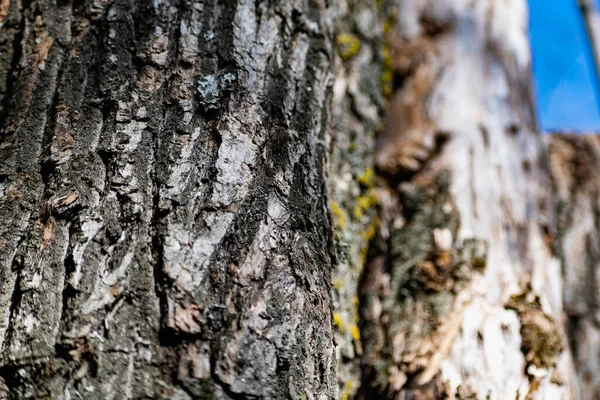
x: 387, y: 58
x: 339, y: 216
x: 347, y: 393
x: 366, y: 178
x: 348, y: 46
x: 387, y: 71
x: 370, y: 232
x: 338, y: 284
x: 364, y: 202
x: 354, y: 331
x: 339, y: 322
x: 388, y: 24
x: 387, y: 78
x: 367, y: 236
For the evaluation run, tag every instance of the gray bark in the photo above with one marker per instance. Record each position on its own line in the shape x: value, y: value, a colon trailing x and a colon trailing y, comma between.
x: 359, y: 101
x: 165, y: 231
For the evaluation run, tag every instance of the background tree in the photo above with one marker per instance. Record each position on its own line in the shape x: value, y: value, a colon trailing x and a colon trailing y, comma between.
x: 462, y: 294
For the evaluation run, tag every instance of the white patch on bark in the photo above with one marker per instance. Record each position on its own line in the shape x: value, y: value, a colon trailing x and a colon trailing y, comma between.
x: 487, y: 355
x: 236, y: 158
x: 186, y: 257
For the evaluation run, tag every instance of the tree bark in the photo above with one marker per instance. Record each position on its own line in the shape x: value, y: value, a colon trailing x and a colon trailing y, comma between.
x: 288, y: 200
x: 575, y: 162
x: 165, y: 228
x: 461, y: 295
x: 359, y: 100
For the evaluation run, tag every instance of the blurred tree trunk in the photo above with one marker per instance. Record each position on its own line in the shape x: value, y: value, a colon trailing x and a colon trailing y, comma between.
x: 288, y: 200
x: 164, y: 221
x: 575, y: 162
x: 461, y: 296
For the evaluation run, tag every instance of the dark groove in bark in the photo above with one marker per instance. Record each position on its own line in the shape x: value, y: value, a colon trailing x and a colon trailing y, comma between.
x: 14, y: 64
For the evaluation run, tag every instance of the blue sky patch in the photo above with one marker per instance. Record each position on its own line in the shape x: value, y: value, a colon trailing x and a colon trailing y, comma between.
x: 566, y: 85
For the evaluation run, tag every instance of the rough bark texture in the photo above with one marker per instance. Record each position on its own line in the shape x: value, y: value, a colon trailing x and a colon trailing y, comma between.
x: 164, y: 227
x: 358, y: 107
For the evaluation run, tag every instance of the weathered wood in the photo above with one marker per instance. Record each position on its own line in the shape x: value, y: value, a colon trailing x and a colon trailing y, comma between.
x: 461, y: 297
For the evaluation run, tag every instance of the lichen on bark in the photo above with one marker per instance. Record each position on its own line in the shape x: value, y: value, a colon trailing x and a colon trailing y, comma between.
x: 414, y: 287
x: 358, y: 107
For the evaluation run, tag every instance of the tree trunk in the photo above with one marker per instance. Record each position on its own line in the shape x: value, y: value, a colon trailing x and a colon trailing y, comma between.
x: 575, y: 162
x: 165, y: 228
x: 461, y: 295
x: 298, y: 199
